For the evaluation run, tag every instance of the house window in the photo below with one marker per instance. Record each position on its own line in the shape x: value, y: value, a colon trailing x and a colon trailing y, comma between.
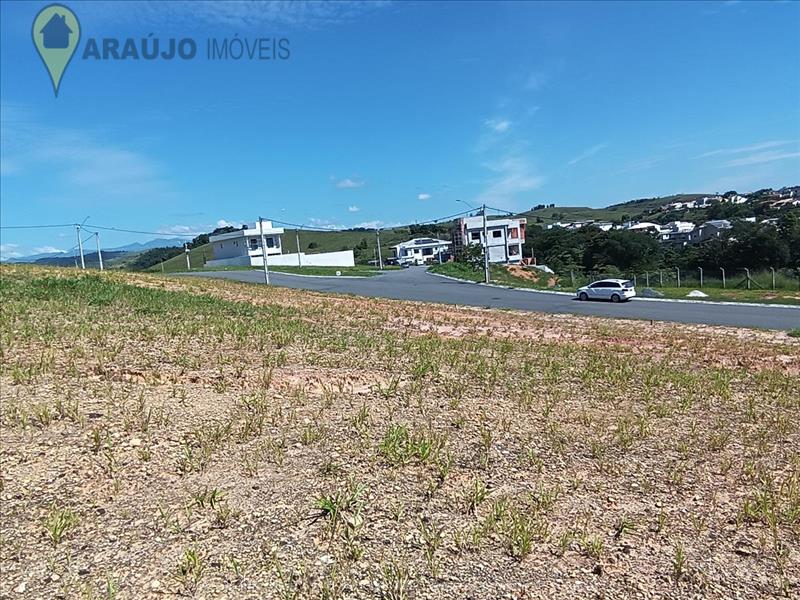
x: 475, y: 235
x: 513, y: 233
x: 253, y: 243
x: 427, y: 252
x: 513, y: 250
x: 270, y: 242
x: 497, y: 233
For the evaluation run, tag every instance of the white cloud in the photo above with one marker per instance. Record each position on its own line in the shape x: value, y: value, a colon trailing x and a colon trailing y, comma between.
x: 424, y: 197
x: 224, y: 223
x: 750, y: 148
x: 353, y: 209
x: 348, y: 183
x: 81, y: 163
x: 589, y: 152
x: 513, y: 175
x: 324, y: 223
x: 184, y: 229
x: 376, y: 224
x: 47, y: 250
x: 498, y: 125
x: 9, y: 251
x: 760, y: 158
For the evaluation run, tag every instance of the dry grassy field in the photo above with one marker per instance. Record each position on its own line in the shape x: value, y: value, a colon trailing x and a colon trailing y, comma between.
x: 166, y: 437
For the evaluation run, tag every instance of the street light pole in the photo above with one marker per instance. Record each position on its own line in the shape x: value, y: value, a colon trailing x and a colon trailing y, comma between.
x: 80, y: 245
x: 380, y: 258
x: 99, y: 253
x: 263, y: 250
x: 485, y: 248
x: 297, y: 239
x: 485, y: 241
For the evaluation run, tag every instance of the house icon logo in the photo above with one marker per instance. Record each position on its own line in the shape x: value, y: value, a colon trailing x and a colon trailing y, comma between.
x: 56, y: 33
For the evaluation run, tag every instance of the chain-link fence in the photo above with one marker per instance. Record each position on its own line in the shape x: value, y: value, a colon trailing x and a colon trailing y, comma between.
x: 769, y: 279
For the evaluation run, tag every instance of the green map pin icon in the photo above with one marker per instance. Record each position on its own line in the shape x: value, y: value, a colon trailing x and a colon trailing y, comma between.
x: 56, y: 33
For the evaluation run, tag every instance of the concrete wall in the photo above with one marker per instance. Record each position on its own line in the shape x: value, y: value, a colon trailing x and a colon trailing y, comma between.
x: 230, y: 248
x: 238, y: 261
x: 344, y: 258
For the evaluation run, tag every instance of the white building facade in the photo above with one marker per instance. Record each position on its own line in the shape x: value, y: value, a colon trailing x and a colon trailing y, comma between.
x: 243, y: 248
x: 246, y: 243
x: 504, y: 241
x: 421, y: 250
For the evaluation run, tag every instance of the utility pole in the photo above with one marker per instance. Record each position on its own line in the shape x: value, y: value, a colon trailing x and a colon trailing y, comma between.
x: 263, y: 249
x: 186, y: 252
x: 485, y: 248
x: 297, y: 239
x: 99, y: 253
x: 380, y: 258
x: 80, y: 245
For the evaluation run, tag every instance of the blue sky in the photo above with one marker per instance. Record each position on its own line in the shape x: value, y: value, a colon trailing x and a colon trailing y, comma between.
x: 389, y: 112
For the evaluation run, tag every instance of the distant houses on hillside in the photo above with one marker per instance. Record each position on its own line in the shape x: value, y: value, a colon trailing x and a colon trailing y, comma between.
x: 683, y: 233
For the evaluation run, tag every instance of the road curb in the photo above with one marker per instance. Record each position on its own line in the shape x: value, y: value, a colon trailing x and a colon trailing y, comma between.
x: 637, y: 298
x: 325, y: 276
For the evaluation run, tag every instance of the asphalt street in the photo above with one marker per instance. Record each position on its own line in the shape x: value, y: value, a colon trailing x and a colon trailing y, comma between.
x: 416, y: 284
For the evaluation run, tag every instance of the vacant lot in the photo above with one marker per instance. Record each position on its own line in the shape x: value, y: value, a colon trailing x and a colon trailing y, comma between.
x: 208, y: 438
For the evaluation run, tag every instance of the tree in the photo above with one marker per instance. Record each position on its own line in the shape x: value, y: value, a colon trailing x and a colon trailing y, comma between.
x: 626, y: 250
x: 471, y: 255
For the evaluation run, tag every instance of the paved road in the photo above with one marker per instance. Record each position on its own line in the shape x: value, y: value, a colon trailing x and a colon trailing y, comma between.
x: 416, y: 284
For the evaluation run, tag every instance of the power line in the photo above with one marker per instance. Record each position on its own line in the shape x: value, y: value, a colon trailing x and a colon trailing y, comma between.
x: 93, y: 227
x: 36, y: 226
x: 191, y: 235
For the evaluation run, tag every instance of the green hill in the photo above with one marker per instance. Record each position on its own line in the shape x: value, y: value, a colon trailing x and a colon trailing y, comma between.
x: 631, y: 210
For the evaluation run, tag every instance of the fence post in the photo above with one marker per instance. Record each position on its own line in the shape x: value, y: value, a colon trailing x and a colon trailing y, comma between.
x: 634, y: 280
x: 572, y: 278
x: 661, y: 279
x: 773, y: 277
x: 723, y: 277
x: 701, y: 276
x: 747, y: 272
x: 647, y: 279
x: 678, y: 272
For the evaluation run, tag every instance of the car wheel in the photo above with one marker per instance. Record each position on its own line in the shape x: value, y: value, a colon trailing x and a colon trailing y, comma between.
x: 583, y: 296
x: 615, y: 297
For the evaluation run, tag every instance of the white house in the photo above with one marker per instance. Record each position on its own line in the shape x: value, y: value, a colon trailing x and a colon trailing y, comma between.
x: 677, y: 232
x: 243, y: 248
x: 246, y: 242
x: 505, y: 237
x: 421, y: 250
x: 645, y: 227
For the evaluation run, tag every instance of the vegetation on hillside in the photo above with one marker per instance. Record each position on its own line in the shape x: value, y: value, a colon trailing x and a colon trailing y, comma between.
x: 746, y: 245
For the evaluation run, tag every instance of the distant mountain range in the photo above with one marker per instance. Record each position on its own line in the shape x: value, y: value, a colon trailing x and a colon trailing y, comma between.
x: 135, y: 248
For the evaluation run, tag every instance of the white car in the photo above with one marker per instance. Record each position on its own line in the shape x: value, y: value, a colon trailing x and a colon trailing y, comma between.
x: 616, y: 290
